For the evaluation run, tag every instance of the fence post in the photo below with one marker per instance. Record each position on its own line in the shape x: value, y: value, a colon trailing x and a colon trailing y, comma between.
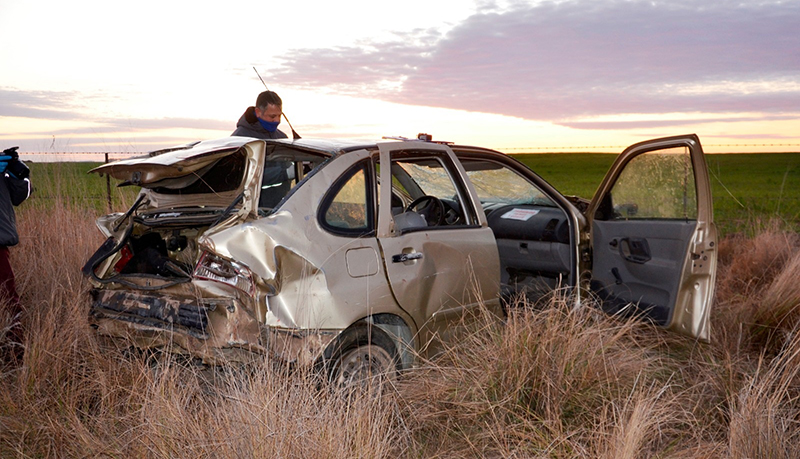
x: 108, y: 187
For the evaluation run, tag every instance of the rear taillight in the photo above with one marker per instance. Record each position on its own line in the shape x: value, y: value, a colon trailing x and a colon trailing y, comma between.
x: 125, y: 255
x: 215, y: 268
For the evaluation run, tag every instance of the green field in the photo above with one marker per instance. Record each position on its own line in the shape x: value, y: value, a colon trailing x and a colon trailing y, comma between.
x: 69, y: 183
x: 750, y: 190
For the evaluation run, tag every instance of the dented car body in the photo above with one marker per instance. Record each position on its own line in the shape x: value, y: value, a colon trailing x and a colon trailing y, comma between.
x: 365, y: 254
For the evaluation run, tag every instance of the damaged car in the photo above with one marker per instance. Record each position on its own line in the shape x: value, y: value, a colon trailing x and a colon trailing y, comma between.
x: 359, y: 256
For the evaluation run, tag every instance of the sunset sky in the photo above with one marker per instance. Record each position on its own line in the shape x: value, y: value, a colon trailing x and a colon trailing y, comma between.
x: 512, y: 75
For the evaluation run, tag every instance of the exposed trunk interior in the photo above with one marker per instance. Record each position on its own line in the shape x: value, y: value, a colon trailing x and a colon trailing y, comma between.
x: 159, y: 244
x: 183, y: 196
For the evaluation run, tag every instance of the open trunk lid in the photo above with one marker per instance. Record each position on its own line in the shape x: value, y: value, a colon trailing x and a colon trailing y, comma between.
x: 210, y: 174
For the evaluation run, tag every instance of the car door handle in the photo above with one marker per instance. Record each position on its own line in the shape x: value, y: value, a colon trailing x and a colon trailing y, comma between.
x: 403, y: 257
x: 634, y: 250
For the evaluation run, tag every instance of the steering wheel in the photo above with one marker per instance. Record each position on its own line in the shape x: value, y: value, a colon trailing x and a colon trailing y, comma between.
x: 429, y: 207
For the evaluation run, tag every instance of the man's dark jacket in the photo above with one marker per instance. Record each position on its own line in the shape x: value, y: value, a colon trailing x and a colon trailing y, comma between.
x: 12, y: 192
x: 248, y: 126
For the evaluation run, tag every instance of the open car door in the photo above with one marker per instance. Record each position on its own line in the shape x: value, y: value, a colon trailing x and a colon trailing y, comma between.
x: 653, y: 239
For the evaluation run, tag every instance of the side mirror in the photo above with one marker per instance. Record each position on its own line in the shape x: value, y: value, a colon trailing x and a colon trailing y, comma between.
x: 626, y: 210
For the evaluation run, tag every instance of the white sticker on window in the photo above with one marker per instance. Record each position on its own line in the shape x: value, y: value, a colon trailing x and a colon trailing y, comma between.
x: 520, y: 214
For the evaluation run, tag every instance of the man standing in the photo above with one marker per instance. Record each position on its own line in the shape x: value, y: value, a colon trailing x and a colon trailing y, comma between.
x: 15, y: 187
x: 262, y: 120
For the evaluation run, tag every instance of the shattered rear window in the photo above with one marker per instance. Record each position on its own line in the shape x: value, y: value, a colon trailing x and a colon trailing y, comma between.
x: 224, y: 175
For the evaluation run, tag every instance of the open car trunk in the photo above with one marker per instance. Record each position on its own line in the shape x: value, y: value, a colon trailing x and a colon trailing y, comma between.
x: 186, y: 192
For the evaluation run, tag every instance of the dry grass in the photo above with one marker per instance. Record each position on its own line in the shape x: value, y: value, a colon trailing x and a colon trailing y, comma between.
x: 757, y: 289
x: 552, y: 382
x: 75, y: 396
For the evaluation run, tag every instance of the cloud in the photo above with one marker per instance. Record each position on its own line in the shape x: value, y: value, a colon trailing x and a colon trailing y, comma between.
x: 52, y: 105
x: 774, y: 137
x: 560, y: 61
x: 638, y: 124
x: 96, y: 133
x: 150, y: 124
x: 62, y: 105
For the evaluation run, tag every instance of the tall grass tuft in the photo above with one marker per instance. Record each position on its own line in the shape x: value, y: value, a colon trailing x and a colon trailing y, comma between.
x: 544, y: 384
x: 757, y: 288
x: 765, y: 414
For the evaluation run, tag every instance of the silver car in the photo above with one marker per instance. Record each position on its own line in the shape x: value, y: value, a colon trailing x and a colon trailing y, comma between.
x: 357, y: 256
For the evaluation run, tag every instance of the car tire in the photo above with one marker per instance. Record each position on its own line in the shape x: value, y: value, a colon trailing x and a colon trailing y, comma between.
x: 363, y: 359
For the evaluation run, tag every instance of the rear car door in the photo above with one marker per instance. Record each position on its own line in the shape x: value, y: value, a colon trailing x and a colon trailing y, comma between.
x: 438, y: 271
x: 653, y: 240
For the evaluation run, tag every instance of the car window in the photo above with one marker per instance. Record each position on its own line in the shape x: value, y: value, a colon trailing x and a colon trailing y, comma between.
x: 281, y: 174
x: 224, y: 175
x: 420, y: 176
x: 430, y: 178
x: 346, y: 209
x: 496, y: 185
x: 278, y: 179
x: 655, y: 185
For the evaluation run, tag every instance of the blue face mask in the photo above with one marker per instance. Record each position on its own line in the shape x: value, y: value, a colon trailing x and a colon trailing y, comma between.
x: 270, y: 126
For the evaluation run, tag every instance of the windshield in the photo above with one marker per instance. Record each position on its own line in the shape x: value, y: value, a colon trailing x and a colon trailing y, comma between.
x: 497, y: 184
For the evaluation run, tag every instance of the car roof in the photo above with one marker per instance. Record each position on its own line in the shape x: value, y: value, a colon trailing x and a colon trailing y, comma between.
x: 339, y: 146
x: 331, y: 146
x: 321, y: 145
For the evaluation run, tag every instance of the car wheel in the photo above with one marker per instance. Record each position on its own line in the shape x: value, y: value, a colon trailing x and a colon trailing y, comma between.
x: 364, y: 359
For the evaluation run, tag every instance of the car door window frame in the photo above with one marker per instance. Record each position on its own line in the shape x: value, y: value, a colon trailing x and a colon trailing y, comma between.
x: 365, y: 166
x: 687, y: 308
x: 454, y: 174
x: 611, y: 210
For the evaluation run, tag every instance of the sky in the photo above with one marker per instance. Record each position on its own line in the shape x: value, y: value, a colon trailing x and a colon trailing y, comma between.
x: 571, y: 75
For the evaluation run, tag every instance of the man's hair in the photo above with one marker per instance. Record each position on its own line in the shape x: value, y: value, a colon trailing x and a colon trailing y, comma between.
x: 268, y: 98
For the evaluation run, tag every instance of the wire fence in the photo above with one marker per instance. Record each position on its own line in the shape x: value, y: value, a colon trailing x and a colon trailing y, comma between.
x: 88, y: 156
x: 57, y: 156
x: 622, y: 147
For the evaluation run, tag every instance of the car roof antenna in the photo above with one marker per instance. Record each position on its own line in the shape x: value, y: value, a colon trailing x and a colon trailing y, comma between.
x: 295, y: 135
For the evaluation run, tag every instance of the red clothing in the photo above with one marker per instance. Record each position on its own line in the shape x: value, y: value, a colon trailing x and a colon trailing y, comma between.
x: 8, y: 287
x: 9, y: 299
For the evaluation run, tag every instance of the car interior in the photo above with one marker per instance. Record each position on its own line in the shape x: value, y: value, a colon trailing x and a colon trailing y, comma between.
x: 531, y: 231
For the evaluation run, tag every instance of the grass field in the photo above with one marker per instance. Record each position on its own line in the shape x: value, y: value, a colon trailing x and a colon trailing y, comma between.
x: 749, y: 190
x: 69, y: 183
x: 557, y: 382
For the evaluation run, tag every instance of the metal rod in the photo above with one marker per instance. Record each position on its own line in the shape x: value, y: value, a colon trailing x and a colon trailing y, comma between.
x: 295, y: 135
x: 108, y: 187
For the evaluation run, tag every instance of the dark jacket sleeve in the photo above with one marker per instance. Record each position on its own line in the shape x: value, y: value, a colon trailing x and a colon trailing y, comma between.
x: 19, y: 189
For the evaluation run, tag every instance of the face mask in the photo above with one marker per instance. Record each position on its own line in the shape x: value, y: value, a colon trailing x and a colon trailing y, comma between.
x: 270, y: 126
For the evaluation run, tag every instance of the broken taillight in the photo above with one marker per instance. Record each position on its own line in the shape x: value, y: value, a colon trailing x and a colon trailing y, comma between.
x: 215, y: 268
x: 125, y: 255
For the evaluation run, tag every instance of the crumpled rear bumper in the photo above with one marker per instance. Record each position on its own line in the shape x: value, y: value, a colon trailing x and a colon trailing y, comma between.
x: 184, y: 315
x: 212, y: 329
